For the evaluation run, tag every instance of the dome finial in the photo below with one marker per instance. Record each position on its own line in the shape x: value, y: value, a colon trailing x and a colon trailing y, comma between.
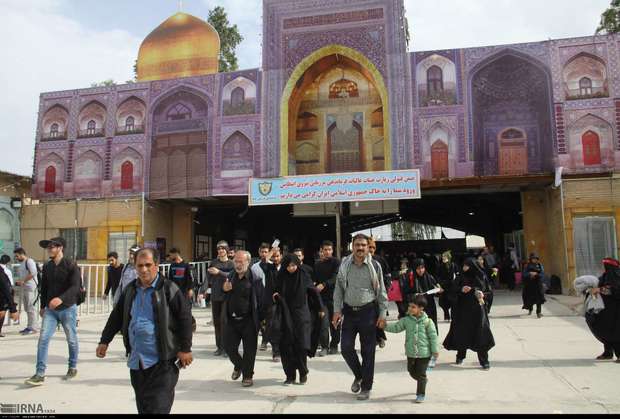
x: 180, y: 5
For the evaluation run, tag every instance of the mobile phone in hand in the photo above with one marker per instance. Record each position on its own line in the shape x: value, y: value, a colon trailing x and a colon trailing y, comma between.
x: 178, y: 363
x: 275, y: 243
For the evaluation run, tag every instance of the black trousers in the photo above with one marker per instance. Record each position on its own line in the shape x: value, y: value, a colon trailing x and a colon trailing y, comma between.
x: 294, y: 358
x: 483, y: 356
x: 364, y: 323
x: 154, y: 387
x: 216, y: 311
x: 417, y: 370
x: 266, y: 332
x: 237, y: 331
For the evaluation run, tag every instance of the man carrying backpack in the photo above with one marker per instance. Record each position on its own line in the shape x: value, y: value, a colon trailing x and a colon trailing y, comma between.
x: 29, y: 281
x: 60, y: 294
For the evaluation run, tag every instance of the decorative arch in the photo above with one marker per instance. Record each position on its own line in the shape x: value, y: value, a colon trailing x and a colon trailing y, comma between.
x: 585, y: 76
x: 133, y: 110
x: 237, y: 156
x: 88, y: 173
x: 199, y: 102
x: 120, y: 174
x: 50, y: 181
x: 58, y: 116
x: 93, y: 111
x: 436, y: 81
x: 239, y: 97
x: 503, y: 85
x: 591, y: 141
x: 297, y: 74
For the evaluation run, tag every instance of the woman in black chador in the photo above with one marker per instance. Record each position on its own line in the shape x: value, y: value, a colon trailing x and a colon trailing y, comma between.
x: 447, y: 274
x: 420, y: 282
x: 605, y: 325
x: 470, y: 328
x: 533, y: 290
x: 296, y: 322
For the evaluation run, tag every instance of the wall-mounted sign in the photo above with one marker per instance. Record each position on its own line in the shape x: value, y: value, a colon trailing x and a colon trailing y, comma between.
x: 344, y: 187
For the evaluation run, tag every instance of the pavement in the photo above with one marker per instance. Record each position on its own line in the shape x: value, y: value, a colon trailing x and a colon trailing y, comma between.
x: 542, y: 365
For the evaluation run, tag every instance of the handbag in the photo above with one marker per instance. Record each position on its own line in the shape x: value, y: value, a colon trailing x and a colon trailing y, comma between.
x: 395, y: 293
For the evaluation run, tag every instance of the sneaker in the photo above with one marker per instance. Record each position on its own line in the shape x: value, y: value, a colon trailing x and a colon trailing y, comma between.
x: 364, y: 395
x: 35, y: 380
x: 356, y: 386
x: 247, y: 382
x: 432, y: 363
x: 71, y: 373
x: 21, y: 332
x: 263, y: 347
x: 420, y: 398
x: 323, y: 352
x: 235, y: 375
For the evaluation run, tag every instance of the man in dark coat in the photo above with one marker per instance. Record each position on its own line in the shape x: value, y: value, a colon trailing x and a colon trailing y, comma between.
x: 293, y: 325
x: 446, y: 275
x: 470, y: 328
x: 533, y: 290
x: 605, y: 325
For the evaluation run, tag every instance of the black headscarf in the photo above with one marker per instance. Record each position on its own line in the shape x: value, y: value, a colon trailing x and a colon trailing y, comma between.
x: 292, y: 285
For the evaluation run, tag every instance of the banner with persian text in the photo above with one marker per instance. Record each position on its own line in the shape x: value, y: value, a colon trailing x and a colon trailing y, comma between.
x: 344, y: 187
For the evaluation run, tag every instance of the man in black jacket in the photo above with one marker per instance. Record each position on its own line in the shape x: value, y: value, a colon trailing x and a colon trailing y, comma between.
x: 157, y: 333
x: 181, y: 274
x: 242, y: 316
x: 60, y: 288
x: 325, y: 273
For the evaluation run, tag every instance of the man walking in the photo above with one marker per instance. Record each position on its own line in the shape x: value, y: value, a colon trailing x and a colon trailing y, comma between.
x: 242, y: 316
x: 128, y: 274
x: 360, y: 301
x: 115, y: 269
x: 325, y: 273
x: 181, y: 274
x: 60, y: 288
x: 218, y: 272
x: 27, y: 272
x: 155, y: 318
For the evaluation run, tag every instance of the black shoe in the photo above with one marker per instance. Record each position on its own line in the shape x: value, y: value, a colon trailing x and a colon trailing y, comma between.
x: 539, y: 315
x: 303, y: 379
x: 276, y: 358
x: 235, y: 375
x: 289, y: 381
x: 356, y: 386
x: 529, y: 313
x: 247, y: 382
x: 323, y: 352
x: 605, y: 356
x: 381, y: 343
x: 486, y: 367
x: 364, y: 395
x: 219, y: 352
x: 263, y: 347
x: 459, y: 361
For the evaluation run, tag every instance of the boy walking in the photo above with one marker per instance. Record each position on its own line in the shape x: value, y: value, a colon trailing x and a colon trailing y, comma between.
x: 420, y: 341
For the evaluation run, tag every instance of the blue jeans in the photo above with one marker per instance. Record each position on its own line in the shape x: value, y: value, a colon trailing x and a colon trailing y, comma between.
x: 51, y: 318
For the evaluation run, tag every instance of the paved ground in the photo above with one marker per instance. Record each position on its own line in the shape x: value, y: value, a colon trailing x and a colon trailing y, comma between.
x: 538, y: 366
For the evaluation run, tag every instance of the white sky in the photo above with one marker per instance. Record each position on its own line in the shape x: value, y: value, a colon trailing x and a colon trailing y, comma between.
x: 46, y: 48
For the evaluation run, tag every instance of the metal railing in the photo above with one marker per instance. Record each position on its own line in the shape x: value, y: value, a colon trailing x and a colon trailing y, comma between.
x: 129, y: 129
x: 94, y: 279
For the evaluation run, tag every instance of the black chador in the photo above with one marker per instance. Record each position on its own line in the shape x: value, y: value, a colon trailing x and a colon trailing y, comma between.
x: 605, y: 325
x: 447, y: 275
x: 470, y: 328
x: 422, y: 284
x: 533, y: 291
x: 296, y: 322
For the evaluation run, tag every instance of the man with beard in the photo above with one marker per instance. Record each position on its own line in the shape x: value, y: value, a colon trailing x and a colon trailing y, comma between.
x: 325, y: 273
x: 447, y: 273
x: 533, y: 290
x: 605, y: 325
x: 470, y: 328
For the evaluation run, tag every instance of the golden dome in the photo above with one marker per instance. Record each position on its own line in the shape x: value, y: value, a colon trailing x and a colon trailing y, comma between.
x: 182, y: 46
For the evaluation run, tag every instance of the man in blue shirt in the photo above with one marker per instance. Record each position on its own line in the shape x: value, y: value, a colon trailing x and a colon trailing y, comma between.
x: 156, y: 321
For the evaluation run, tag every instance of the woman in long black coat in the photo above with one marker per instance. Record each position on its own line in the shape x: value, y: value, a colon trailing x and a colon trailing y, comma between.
x: 533, y: 290
x: 294, y: 296
x: 605, y: 325
x: 485, y: 272
x: 419, y: 282
x: 470, y: 327
x: 446, y: 275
